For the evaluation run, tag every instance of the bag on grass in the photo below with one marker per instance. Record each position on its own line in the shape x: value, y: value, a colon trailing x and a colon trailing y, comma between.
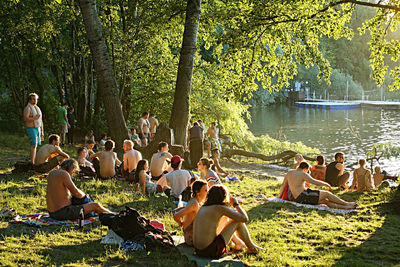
x: 22, y: 166
x: 129, y: 225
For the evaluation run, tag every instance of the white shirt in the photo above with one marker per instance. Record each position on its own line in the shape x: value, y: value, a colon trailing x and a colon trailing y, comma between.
x: 179, y: 180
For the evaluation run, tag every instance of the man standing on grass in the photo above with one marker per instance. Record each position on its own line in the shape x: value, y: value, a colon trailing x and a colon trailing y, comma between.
x: 63, y: 122
x: 60, y: 191
x: 34, y: 124
x: 296, y: 180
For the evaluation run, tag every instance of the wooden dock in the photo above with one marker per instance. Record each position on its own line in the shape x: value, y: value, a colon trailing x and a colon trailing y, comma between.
x: 341, y: 104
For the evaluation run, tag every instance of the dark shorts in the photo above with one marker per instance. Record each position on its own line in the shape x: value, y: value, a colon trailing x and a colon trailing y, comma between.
x: 47, y: 166
x: 339, y: 180
x: 156, y: 178
x: 71, y: 212
x: 308, y: 196
x: 217, y: 248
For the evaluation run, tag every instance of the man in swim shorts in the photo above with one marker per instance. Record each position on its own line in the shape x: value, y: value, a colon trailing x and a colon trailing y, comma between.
x: 209, y: 237
x: 296, y: 179
x: 60, y: 188
x: 33, y: 123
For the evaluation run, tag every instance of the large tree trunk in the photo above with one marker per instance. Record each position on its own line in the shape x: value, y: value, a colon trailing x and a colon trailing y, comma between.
x: 180, y: 109
x: 285, y: 155
x: 102, y: 64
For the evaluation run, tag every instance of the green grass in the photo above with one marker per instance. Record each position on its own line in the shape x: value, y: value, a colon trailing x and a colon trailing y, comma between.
x: 292, y: 236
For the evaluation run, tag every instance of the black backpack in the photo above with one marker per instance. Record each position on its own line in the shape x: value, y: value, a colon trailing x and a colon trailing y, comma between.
x: 129, y: 225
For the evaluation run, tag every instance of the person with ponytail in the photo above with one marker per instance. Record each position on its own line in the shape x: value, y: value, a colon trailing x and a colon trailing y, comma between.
x: 143, y: 179
x: 186, y: 216
x: 206, y: 173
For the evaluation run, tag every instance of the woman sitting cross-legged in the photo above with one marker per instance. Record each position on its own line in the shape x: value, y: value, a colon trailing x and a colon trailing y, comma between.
x: 209, y: 239
x: 185, y: 216
x: 362, y: 177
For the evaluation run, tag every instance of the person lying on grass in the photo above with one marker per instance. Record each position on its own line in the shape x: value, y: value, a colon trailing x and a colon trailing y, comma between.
x: 296, y: 179
x: 60, y: 188
x: 186, y: 216
x: 209, y: 238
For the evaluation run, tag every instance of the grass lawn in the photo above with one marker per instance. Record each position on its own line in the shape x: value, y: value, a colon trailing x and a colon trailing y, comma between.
x: 292, y: 236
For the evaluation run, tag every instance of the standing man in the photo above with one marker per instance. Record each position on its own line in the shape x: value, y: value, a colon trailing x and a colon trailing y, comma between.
x: 71, y: 121
x: 212, y: 134
x: 144, y: 128
x: 195, y: 143
x: 153, y: 125
x: 34, y: 124
x: 335, y: 175
x: 63, y: 122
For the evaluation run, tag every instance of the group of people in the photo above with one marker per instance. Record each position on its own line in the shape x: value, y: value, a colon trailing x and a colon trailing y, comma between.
x: 296, y: 184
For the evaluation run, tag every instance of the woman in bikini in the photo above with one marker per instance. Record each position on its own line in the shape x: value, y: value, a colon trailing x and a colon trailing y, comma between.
x: 186, y: 216
x: 362, y: 177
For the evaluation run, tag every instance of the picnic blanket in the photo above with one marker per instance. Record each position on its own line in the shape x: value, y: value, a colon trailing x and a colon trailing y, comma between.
x: 318, y: 207
x: 40, y: 219
x: 188, y: 251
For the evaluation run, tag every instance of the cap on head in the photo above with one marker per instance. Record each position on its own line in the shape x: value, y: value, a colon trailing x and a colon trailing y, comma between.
x: 176, y: 159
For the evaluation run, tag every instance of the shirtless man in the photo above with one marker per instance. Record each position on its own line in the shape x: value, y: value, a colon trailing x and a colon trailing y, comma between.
x: 33, y: 123
x: 158, y: 164
x: 185, y: 217
x: 209, y: 239
x: 144, y: 128
x: 105, y: 161
x: 60, y: 188
x: 335, y: 175
x: 153, y: 125
x: 49, y: 155
x: 130, y: 159
x: 296, y: 180
x: 212, y: 134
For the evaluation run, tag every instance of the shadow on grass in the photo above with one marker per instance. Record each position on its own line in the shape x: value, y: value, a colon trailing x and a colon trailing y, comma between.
x: 382, y: 247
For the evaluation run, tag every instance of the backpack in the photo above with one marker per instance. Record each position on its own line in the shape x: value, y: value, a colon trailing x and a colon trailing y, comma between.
x: 129, y: 225
x: 22, y: 166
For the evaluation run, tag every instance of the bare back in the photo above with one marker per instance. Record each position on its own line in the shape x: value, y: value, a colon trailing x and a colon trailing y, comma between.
x: 188, y: 219
x: 212, y: 133
x: 296, y: 180
x: 158, y: 163
x: 107, y: 161
x: 131, y: 159
x: 45, y: 152
x: 57, y: 195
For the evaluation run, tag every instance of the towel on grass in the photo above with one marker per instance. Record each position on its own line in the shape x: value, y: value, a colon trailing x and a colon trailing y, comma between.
x: 188, y: 251
x: 318, y: 207
x: 39, y: 220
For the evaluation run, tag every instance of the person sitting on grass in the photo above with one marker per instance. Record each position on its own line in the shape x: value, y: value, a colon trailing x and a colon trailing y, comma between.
x: 134, y: 137
x: 296, y: 180
x: 178, y: 179
x: 185, y: 217
x: 216, y: 166
x: 49, y: 155
x: 89, y: 148
x: 208, y: 175
x: 86, y: 167
x: 130, y: 160
x: 143, y: 179
x: 158, y: 164
x: 209, y: 238
x: 318, y: 170
x: 106, y: 162
x: 378, y: 176
x: 60, y: 188
x: 335, y: 174
x: 298, y: 158
x: 362, y: 177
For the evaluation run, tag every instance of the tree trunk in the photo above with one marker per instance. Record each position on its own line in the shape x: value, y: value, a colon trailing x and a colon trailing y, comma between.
x: 286, y: 155
x: 180, y: 109
x: 102, y: 64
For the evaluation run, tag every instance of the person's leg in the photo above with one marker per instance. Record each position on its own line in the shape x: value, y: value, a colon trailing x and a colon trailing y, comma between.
x: 33, y: 153
x: 335, y: 205
x: 96, y: 207
x: 326, y: 196
x: 342, y: 180
x: 232, y: 227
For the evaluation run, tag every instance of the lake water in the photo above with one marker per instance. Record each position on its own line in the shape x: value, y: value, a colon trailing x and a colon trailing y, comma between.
x: 352, y: 131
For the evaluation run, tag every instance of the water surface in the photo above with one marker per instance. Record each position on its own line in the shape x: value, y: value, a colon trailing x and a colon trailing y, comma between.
x: 352, y: 131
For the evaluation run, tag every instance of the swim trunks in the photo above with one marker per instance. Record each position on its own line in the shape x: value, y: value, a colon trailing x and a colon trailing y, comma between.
x: 33, y: 135
x: 216, y: 249
x: 308, y: 196
x: 71, y: 212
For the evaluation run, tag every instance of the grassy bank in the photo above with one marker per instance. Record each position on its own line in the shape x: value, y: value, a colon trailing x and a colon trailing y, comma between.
x: 292, y: 236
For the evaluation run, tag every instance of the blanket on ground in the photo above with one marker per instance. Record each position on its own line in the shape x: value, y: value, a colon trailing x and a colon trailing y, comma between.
x: 200, y: 262
x: 318, y: 207
x: 39, y: 220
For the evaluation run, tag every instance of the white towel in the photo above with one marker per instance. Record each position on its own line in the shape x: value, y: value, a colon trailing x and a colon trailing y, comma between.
x: 319, y: 207
x: 36, y: 111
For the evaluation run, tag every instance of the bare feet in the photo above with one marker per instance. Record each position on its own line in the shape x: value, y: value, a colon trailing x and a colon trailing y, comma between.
x: 241, y: 178
x: 255, y: 250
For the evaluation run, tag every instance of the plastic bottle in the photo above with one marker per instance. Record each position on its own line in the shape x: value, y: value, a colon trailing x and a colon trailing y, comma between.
x: 180, y: 202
